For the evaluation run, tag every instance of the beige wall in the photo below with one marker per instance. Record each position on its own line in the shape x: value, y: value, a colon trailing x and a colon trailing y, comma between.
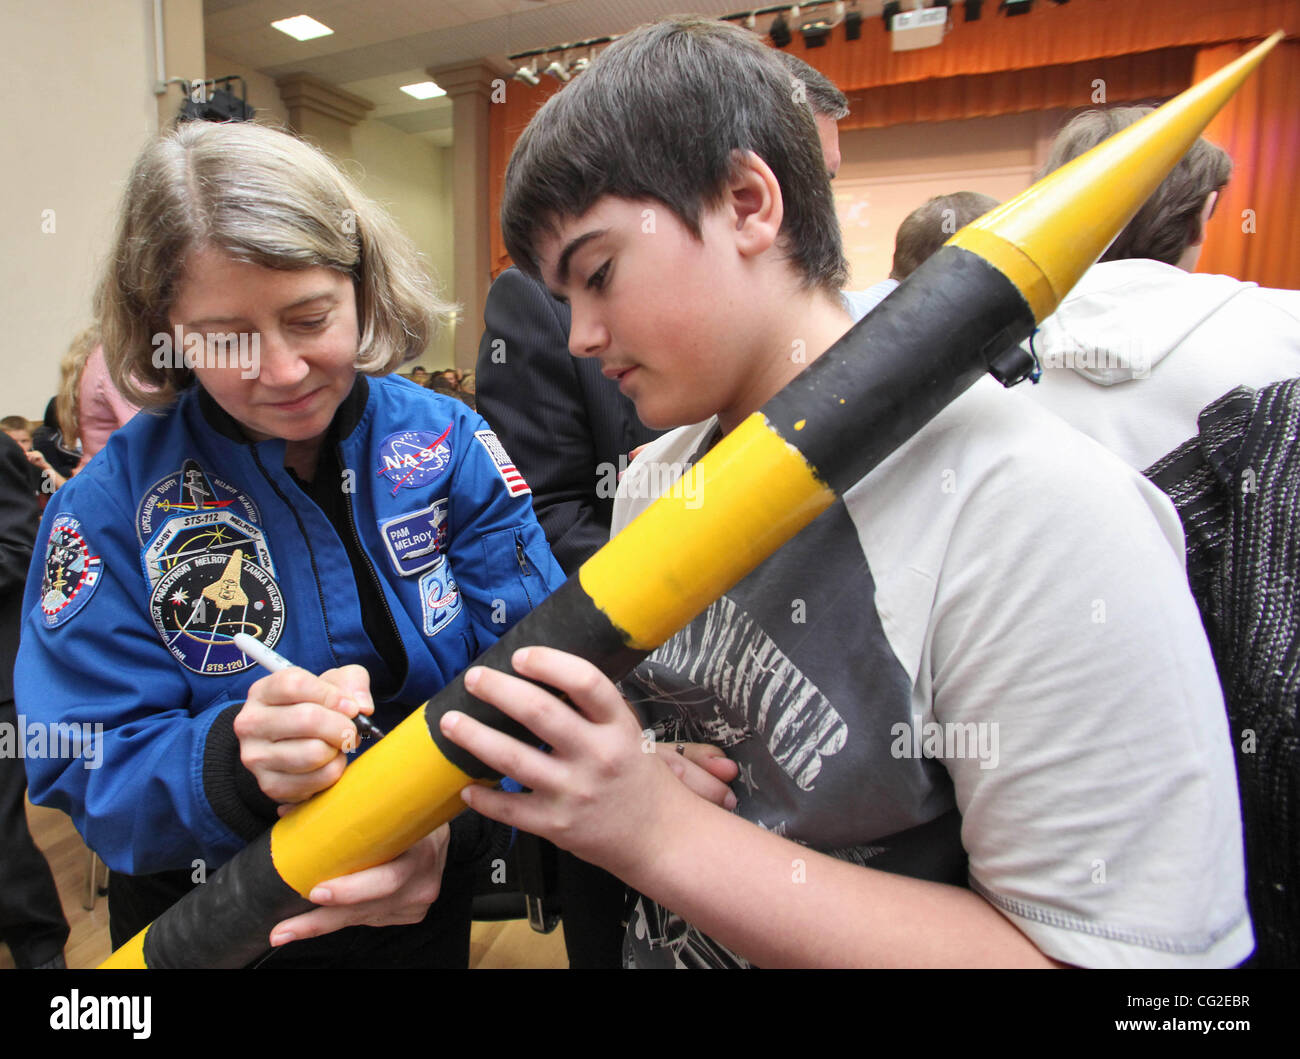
x: 412, y: 178
x: 77, y: 83
x: 887, y: 173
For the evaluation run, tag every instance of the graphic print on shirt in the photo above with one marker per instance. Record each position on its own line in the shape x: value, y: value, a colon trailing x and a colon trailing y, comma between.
x: 729, y: 658
x: 414, y: 458
x: 72, y: 571
x: 201, y: 603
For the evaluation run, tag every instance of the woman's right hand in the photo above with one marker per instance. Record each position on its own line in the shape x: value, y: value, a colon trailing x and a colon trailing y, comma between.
x: 295, y: 729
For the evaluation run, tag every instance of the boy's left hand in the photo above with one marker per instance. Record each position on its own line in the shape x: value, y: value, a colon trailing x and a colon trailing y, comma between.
x: 597, y: 794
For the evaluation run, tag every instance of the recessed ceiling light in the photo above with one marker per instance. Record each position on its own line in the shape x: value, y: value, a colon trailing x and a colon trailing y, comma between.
x: 302, y: 27
x: 424, y: 90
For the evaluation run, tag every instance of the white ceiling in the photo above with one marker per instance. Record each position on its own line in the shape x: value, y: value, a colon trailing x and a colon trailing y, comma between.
x: 379, y: 45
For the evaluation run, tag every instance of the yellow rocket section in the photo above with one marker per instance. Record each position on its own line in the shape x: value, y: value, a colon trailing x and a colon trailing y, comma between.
x: 699, y: 538
x: 387, y: 800
x: 1044, y: 239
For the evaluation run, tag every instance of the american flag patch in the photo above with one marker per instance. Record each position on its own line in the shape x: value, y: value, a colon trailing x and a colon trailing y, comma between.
x: 515, y: 484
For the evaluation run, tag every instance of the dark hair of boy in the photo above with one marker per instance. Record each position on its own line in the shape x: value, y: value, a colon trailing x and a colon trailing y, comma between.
x: 924, y: 230
x: 621, y: 134
x: 1170, y: 220
x: 820, y: 90
x: 15, y: 423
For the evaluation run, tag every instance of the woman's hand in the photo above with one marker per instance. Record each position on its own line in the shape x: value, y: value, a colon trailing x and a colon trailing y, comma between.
x: 295, y: 729
x: 603, y: 792
x: 400, y: 891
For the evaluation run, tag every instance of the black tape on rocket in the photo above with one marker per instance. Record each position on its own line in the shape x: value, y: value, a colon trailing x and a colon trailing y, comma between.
x: 226, y: 921
x: 900, y: 365
x: 567, y: 620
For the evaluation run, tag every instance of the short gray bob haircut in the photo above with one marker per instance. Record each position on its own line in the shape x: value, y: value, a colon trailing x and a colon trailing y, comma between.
x: 663, y: 114
x: 267, y: 198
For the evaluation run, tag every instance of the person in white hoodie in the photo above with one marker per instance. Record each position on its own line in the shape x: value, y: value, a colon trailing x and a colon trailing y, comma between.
x: 1142, y: 344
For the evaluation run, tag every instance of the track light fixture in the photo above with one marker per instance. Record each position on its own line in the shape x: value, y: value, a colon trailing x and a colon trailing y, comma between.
x: 780, y: 31
x: 528, y: 75
x: 973, y: 9
x: 816, y: 33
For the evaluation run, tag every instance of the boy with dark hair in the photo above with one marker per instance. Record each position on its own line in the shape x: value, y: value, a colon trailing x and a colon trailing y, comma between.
x: 967, y: 732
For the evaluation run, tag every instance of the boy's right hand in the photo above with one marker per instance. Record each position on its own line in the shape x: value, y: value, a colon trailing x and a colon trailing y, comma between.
x: 295, y: 729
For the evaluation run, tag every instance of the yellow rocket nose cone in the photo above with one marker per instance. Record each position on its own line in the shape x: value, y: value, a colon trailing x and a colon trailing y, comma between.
x: 1045, y: 238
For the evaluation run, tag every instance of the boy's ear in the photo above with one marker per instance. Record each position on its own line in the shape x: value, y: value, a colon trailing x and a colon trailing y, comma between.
x: 753, y: 197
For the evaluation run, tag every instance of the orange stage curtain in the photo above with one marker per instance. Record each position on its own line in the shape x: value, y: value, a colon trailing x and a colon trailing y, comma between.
x: 1255, y: 231
x: 1048, y: 36
x: 1149, y: 76
x: 1045, y: 59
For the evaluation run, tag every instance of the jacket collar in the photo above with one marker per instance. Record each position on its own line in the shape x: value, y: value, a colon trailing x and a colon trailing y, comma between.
x: 345, y: 418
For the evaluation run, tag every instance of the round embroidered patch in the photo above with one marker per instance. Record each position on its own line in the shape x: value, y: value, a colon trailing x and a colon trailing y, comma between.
x: 412, y: 458
x: 200, y: 604
x: 185, y: 536
x: 190, y: 490
x: 72, y: 571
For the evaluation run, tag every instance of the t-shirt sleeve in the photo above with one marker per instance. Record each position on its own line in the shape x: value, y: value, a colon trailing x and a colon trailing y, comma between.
x: 1100, y: 808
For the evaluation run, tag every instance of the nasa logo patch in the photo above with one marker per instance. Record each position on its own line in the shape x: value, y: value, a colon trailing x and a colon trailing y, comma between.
x: 189, y: 491
x: 416, y: 539
x: 72, y: 572
x: 413, y: 458
x: 439, y: 597
x: 200, y: 603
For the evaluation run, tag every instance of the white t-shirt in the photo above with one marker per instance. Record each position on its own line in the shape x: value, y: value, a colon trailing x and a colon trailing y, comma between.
x: 1013, y: 597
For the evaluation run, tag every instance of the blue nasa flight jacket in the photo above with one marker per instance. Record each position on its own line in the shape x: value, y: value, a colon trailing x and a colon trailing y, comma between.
x: 181, y: 533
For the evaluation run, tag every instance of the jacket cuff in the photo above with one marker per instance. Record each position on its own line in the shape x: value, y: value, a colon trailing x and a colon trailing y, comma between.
x: 231, y: 789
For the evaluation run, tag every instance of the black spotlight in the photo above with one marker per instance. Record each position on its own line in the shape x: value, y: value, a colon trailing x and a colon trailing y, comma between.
x: 780, y: 32
x: 973, y: 10
x: 216, y: 104
x: 815, y: 34
x: 1017, y: 7
x: 853, y: 25
x: 892, y: 8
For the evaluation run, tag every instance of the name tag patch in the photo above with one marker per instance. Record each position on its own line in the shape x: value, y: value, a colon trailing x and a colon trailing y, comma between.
x: 415, y: 540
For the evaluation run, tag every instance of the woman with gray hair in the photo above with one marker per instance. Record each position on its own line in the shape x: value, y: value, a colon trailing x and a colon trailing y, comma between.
x: 285, y: 486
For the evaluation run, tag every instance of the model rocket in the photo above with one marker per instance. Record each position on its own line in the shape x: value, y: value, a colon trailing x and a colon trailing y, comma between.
x: 963, y: 313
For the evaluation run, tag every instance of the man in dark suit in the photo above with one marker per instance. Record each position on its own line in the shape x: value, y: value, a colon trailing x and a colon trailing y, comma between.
x: 31, y: 918
x: 569, y: 431
x: 566, y: 426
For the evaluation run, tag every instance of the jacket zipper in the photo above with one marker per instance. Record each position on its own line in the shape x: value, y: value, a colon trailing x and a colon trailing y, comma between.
x: 374, y: 580
x: 523, y: 570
